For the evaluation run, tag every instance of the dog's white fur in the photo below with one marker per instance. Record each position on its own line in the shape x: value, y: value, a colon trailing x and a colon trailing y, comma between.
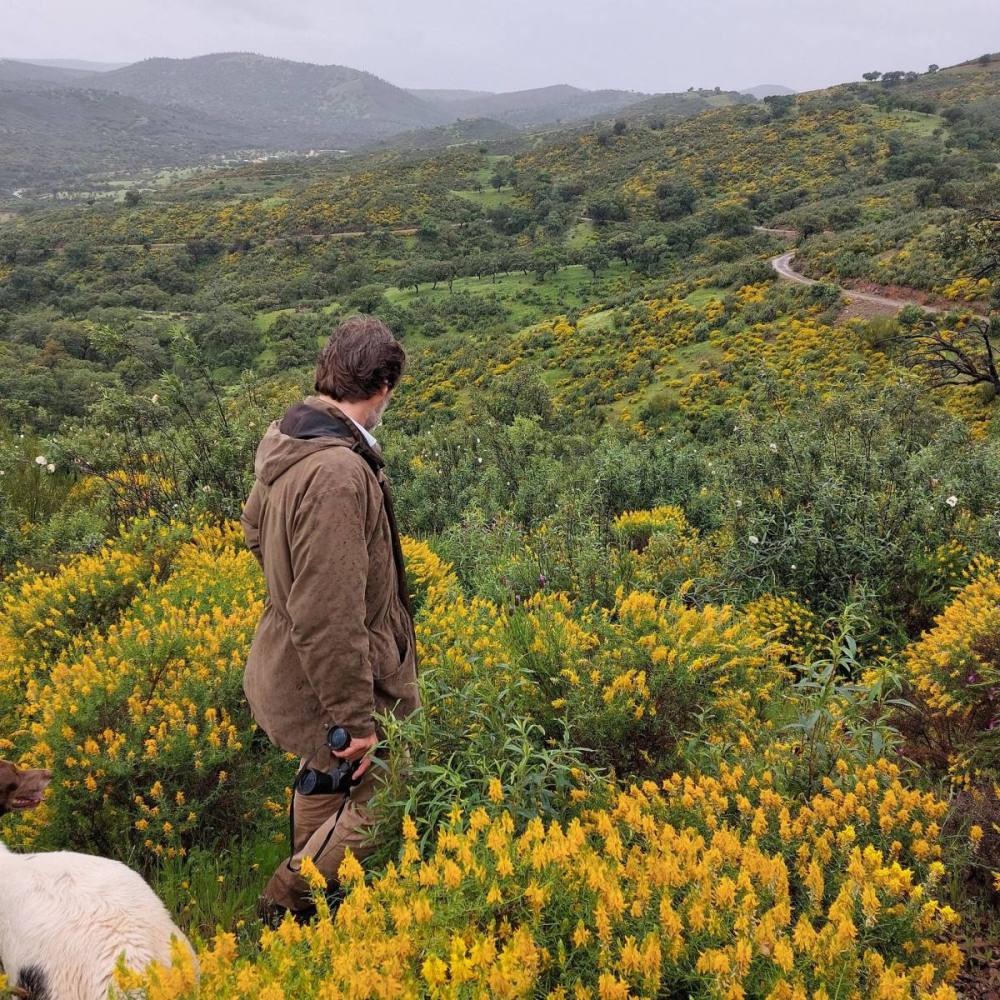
x: 71, y: 915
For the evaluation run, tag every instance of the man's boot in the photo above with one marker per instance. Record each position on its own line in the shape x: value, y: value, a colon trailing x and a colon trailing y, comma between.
x: 271, y: 914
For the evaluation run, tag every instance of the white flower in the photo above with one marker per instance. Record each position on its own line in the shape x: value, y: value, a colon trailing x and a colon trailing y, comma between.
x: 51, y: 467
x: 754, y: 540
x: 155, y: 397
x: 206, y: 488
x: 794, y: 566
x: 739, y: 503
x: 480, y: 460
x: 951, y: 501
x: 40, y: 459
x: 773, y: 447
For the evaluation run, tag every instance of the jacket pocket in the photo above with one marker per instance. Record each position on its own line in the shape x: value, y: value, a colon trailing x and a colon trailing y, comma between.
x: 385, y: 651
x: 403, y: 644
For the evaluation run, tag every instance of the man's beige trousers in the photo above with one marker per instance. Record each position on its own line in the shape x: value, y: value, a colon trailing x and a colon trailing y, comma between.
x: 315, y: 818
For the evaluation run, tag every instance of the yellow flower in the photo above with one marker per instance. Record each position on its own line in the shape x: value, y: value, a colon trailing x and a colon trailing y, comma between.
x: 434, y: 971
x: 350, y: 870
x: 495, y: 791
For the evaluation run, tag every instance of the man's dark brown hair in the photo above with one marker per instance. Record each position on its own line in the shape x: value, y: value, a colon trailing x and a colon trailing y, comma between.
x: 360, y: 356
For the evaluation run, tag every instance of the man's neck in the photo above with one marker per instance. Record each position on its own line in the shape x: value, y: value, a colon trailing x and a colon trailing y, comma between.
x: 358, y: 411
x: 349, y: 410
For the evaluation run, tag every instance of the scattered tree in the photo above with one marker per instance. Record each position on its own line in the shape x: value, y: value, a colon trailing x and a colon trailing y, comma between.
x: 948, y: 353
x: 594, y: 258
x: 545, y: 259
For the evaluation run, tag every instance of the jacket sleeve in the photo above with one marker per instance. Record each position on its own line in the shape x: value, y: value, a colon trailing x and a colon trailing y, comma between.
x: 326, y: 603
x: 250, y: 519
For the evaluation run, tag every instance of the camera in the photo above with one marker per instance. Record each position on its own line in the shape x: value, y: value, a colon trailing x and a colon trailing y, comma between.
x: 314, y: 782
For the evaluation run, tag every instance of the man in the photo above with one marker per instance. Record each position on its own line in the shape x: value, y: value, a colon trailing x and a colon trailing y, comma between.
x: 335, y: 643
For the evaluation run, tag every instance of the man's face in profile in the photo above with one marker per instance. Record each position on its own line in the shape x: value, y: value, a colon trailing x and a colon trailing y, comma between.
x: 380, y: 409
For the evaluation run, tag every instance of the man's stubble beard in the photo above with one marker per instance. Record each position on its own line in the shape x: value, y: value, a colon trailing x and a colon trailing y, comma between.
x: 376, y: 420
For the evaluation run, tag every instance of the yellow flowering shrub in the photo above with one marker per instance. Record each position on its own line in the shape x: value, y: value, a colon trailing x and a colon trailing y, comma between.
x: 967, y: 289
x: 695, y: 886
x: 144, y: 723
x: 634, y: 679
x: 955, y: 671
x: 43, y: 613
x: 661, y: 551
x: 714, y: 881
x: 636, y: 527
x: 791, y: 626
x: 431, y: 579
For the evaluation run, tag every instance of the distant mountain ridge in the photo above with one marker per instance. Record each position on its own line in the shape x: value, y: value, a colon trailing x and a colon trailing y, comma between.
x: 448, y: 96
x: 465, y: 130
x: 25, y: 75
x: 243, y: 101
x: 763, y: 90
x: 288, y: 104
x: 88, y: 65
x: 544, y: 105
x: 56, y: 136
x: 74, y: 119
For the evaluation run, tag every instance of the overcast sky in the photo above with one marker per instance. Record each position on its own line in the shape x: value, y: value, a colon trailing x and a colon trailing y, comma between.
x: 649, y: 45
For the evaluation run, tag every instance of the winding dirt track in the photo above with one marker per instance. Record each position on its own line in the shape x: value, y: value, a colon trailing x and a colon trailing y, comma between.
x: 782, y: 264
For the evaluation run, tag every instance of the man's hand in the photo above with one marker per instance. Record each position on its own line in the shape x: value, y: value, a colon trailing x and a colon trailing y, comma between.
x: 356, y: 749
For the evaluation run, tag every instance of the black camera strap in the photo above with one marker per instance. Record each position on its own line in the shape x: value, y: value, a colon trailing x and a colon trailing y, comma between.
x: 291, y: 816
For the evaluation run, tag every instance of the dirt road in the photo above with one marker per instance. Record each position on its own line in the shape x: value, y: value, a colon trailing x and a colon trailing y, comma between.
x: 782, y: 264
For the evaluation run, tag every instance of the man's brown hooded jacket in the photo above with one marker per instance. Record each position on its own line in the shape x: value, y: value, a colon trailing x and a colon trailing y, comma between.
x: 336, y: 640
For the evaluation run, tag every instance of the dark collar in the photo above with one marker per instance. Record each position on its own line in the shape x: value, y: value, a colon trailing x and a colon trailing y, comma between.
x: 322, y: 419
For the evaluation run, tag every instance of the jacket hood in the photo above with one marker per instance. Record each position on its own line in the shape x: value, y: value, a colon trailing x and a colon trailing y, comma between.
x: 306, y: 428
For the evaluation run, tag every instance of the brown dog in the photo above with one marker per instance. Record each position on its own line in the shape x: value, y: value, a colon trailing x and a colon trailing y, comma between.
x: 21, y: 789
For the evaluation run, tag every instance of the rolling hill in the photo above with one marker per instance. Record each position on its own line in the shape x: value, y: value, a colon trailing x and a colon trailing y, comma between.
x: 544, y: 105
x: 763, y: 90
x: 80, y: 64
x: 286, y: 104
x: 163, y: 112
x: 463, y: 131
x: 25, y: 75
x: 59, y: 136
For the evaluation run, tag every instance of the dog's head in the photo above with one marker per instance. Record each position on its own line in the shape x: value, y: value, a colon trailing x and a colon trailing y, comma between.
x: 21, y: 789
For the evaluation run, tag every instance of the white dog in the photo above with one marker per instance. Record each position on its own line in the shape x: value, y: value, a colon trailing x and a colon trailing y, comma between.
x: 65, y: 918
